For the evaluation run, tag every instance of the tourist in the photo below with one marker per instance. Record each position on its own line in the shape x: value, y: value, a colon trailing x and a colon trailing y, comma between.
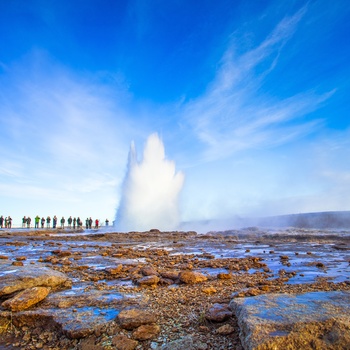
x: 6, y: 222
x: 79, y: 222
x: 42, y: 222
x: 74, y: 223
x: 48, y: 221
x: 96, y: 223
x: 1, y: 221
x: 54, y: 222
x: 24, y: 221
x: 90, y: 223
x: 87, y: 223
x: 36, y: 220
x: 62, y: 222
x: 29, y: 220
x: 9, y: 222
x: 70, y: 222
x: 107, y: 222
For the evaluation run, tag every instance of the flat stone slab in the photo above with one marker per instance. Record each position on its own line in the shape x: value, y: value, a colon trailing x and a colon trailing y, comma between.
x: 315, y: 320
x: 17, y: 278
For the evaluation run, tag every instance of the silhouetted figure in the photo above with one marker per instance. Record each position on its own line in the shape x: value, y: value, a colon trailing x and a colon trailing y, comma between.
x: 54, y: 222
x: 74, y: 223
x: 48, y: 221
x: 70, y: 222
x: 87, y: 223
x: 9, y: 222
x: 29, y: 220
x: 107, y: 222
x: 24, y: 221
x: 79, y: 222
x: 42, y: 222
x: 1, y: 221
x: 90, y: 222
x: 63, y: 220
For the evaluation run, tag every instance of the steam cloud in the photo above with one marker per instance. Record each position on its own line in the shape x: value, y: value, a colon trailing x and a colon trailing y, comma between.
x: 150, y: 191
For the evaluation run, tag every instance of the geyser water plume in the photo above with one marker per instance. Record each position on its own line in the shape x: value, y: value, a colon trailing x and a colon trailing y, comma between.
x: 151, y: 188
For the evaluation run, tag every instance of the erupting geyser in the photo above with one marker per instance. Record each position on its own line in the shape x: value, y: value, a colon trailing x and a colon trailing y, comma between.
x: 151, y: 190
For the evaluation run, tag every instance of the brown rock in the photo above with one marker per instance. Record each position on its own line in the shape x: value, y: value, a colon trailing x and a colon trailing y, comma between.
x: 31, y: 276
x: 210, y: 290
x: 224, y: 276
x: 225, y: 329
x: 191, y: 277
x: 115, y: 270
x: 146, y: 332
x: 148, y: 271
x: 17, y: 263
x: 122, y: 342
x: 148, y: 281
x: 133, y: 318
x: 218, y: 313
x: 21, y: 258
x: 172, y: 275
x: 26, y: 298
x: 4, y: 257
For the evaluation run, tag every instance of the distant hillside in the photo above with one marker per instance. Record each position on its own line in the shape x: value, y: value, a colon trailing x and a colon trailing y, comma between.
x: 324, y: 220
x: 320, y: 220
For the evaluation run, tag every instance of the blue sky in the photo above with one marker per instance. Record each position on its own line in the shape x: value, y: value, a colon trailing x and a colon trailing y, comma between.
x: 250, y: 98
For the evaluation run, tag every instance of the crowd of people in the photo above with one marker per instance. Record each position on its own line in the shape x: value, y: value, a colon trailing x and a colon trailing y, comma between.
x: 7, y: 221
x: 72, y: 223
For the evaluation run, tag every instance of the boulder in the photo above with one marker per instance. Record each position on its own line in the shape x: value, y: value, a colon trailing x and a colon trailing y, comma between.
x: 145, y: 332
x: 191, y: 277
x: 19, y: 278
x: 148, y: 281
x: 315, y: 320
x: 148, y: 271
x: 122, y: 342
x: 218, y: 313
x: 27, y: 298
x: 133, y: 318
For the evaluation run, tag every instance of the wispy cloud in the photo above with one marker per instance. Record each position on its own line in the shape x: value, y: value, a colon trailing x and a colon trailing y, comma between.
x: 234, y: 115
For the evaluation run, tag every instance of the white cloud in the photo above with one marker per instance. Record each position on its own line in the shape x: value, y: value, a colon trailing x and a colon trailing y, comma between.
x: 234, y: 115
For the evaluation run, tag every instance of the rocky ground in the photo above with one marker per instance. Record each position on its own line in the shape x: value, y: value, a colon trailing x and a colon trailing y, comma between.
x: 153, y: 290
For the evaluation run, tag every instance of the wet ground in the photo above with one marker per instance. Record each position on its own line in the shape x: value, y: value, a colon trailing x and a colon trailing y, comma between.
x: 277, y: 260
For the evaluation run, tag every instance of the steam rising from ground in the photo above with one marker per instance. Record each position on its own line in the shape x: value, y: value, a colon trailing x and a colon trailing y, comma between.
x: 151, y: 190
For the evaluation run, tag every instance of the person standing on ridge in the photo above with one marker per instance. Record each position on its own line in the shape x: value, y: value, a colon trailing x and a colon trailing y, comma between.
x: 54, y: 222
x: 90, y: 223
x: 87, y: 223
x: 6, y: 222
x: 107, y: 222
x: 29, y: 220
x: 24, y: 221
x: 74, y: 223
x: 36, y: 220
x: 42, y: 222
x: 9, y: 222
x: 1, y: 221
x: 79, y: 222
x: 62, y: 222
x: 70, y: 222
x: 48, y: 221
x: 96, y: 223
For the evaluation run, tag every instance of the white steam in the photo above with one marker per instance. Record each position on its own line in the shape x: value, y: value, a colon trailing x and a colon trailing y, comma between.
x: 151, y: 191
